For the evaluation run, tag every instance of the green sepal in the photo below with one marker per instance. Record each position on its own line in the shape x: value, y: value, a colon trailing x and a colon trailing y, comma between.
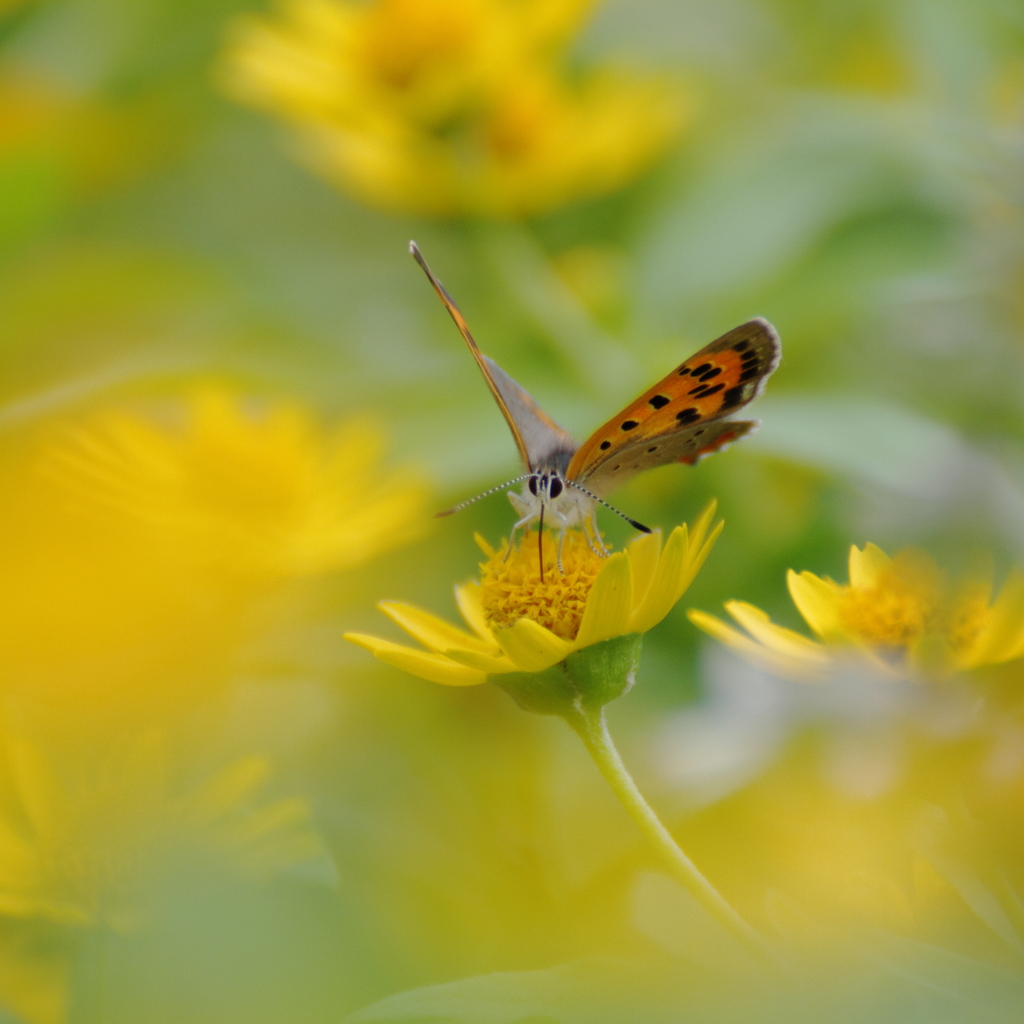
x: 586, y: 680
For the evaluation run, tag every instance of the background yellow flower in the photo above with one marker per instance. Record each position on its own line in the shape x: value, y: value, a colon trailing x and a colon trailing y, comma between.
x: 141, y: 550
x: 451, y: 107
x: 899, y: 612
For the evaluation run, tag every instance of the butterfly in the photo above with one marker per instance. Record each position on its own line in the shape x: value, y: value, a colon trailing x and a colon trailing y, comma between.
x: 680, y: 419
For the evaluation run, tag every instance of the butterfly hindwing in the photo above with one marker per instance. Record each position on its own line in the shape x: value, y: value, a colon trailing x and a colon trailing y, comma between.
x: 715, y: 382
x: 688, y: 446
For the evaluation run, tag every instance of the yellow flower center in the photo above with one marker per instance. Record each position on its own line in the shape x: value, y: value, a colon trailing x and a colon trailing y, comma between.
x: 900, y: 608
x: 963, y: 622
x: 511, y: 587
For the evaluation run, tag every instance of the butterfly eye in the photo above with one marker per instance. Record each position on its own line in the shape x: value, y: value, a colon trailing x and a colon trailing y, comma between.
x: 532, y: 484
x: 554, y: 487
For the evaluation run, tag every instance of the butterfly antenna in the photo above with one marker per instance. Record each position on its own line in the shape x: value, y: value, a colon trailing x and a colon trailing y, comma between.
x: 486, y: 494
x: 612, y: 508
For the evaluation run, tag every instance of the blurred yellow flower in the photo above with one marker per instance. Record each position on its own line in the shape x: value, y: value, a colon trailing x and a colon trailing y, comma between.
x: 521, y: 623
x: 266, y: 494
x: 450, y: 107
x: 79, y: 843
x: 138, y: 548
x: 900, y: 613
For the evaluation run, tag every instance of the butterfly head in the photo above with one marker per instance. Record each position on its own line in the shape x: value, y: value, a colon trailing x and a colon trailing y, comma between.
x: 548, y: 493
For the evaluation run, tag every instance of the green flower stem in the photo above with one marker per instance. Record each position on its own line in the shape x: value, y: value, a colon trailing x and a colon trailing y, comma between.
x: 593, y: 730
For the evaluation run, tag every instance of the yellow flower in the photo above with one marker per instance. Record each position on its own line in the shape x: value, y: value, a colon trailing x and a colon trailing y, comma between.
x: 79, y: 842
x: 450, y: 107
x: 148, y: 547
x: 520, y: 623
x: 899, y: 613
x: 267, y: 494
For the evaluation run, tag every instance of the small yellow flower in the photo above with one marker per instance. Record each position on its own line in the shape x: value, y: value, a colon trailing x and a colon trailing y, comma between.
x: 898, y: 612
x: 450, y: 107
x: 520, y: 623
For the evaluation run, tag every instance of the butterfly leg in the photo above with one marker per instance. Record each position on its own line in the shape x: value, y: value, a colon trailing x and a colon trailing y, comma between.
x: 525, y: 521
x: 593, y: 535
x: 564, y: 523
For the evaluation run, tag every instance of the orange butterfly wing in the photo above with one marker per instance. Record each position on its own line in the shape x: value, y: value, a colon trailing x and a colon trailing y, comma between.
x: 718, y: 380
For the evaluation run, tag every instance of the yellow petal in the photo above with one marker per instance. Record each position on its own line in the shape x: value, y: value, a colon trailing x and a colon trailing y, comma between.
x: 488, y: 663
x: 702, y: 524
x: 433, y: 632
x: 433, y: 667
x: 609, y: 603
x: 1002, y: 637
x: 866, y: 566
x: 817, y: 600
x: 664, y: 587
x: 644, y: 553
x: 467, y: 597
x: 531, y: 647
x: 695, y: 558
x: 751, y: 650
x: 44, y: 804
x: 778, y: 638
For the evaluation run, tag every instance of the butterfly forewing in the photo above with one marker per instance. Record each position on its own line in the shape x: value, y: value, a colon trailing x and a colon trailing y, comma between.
x: 544, y: 444
x: 720, y: 379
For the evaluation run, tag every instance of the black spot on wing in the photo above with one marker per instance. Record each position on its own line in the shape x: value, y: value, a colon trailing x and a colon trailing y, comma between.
x: 605, y: 445
x: 629, y: 425
x: 741, y: 346
x: 699, y: 390
x: 711, y: 373
x: 659, y: 401
x: 734, y: 396
x: 688, y: 416
x: 713, y: 391
x: 703, y: 368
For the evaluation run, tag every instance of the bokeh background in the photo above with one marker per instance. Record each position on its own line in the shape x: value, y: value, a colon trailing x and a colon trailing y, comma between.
x: 230, y: 404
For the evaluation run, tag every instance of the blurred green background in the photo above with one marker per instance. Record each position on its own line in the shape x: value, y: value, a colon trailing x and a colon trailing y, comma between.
x: 854, y: 171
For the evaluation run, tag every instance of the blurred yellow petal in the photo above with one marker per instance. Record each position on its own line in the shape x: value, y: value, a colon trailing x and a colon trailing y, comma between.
x: 229, y: 786
x: 433, y: 632
x: 1002, y: 635
x: 44, y: 804
x: 767, y: 658
x: 784, y: 641
x: 867, y: 566
x: 609, y: 604
x: 435, y: 668
x: 817, y: 600
x: 530, y: 646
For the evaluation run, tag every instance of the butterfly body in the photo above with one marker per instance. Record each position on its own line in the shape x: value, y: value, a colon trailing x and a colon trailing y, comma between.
x: 679, y: 419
